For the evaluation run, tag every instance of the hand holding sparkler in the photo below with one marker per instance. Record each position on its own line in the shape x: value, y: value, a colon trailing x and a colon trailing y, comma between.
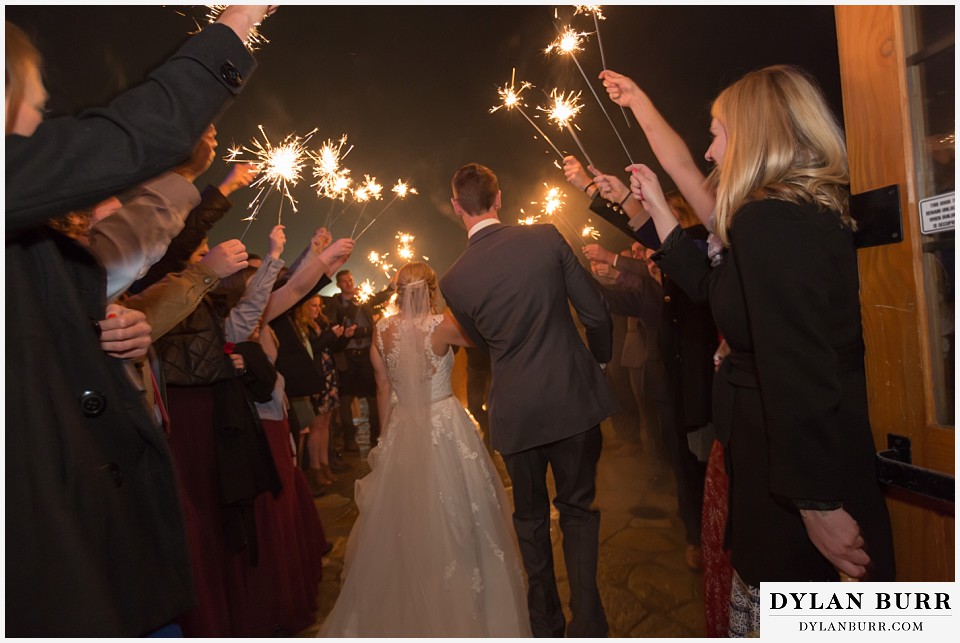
x: 202, y: 157
x: 604, y: 272
x: 646, y: 189
x: 320, y: 240
x: 596, y: 253
x: 612, y: 188
x: 277, y: 241
x: 336, y: 254
x: 621, y: 90
x: 226, y: 258
x: 576, y: 175
x: 243, y: 19
x: 240, y: 176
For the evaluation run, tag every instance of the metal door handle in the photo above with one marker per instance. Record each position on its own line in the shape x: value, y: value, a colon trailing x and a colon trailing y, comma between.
x: 894, y: 469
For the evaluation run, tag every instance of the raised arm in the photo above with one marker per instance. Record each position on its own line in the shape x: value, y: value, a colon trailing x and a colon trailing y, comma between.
x: 671, y: 151
x: 246, y: 314
x: 311, y: 273
x: 73, y: 162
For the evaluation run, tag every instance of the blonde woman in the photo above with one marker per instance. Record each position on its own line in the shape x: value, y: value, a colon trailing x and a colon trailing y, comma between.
x: 433, y: 552
x: 790, y: 404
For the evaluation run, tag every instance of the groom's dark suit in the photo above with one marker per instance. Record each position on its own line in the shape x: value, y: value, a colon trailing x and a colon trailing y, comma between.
x: 511, y: 291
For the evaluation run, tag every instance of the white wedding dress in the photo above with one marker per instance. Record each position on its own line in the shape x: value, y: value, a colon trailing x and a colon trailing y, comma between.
x: 433, y: 552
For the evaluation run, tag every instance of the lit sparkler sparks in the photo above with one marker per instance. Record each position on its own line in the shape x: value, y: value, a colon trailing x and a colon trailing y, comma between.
x: 529, y: 219
x: 333, y: 180
x: 510, y: 99
x: 400, y: 191
x: 551, y: 207
x: 405, y: 248
x: 589, y: 232
x: 254, y: 40
x: 562, y: 112
x: 366, y: 291
x: 280, y: 167
x: 369, y: 190
x: 595, y: 9
x: 568, y: 42
x: 380, y: 261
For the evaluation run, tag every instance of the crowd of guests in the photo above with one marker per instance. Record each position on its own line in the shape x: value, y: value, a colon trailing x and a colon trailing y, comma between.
x: 166, y: 390
x: 746, y: 350
x: 157, y: 487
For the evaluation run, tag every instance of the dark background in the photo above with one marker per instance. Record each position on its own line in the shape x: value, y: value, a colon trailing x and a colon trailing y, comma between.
x: 412, y: 86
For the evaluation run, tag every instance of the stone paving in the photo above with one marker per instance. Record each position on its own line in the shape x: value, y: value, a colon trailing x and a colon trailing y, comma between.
x: 646, y: 587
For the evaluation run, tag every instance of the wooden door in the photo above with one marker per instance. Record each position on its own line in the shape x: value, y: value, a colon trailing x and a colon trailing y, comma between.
x: 902, y: 368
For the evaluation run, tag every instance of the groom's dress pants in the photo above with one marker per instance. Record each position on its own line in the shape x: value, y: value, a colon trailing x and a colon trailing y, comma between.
x: 574, y: 465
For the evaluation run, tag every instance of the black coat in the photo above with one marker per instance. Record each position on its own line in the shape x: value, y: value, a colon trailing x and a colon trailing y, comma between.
x: 688, y: 339
x: 94, y: 532
x: 790, y: 400
x: 511, y: 291
x: 300, y: 374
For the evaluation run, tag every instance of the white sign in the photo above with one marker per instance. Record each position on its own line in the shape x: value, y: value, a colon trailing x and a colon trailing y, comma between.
x: 938, y: 213
x: 858, y: 611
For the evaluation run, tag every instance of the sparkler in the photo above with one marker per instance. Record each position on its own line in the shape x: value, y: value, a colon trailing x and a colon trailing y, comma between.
x: 552, y: 207
x: 594, y: 9
x: 405, y: 248
x: 562, y: 112
x: 380, y: 261
x: 333, y: 181
x: 400, y: 191
x: 568, y: 42
x: 369, y: 190
x: 589, y: 231
x: 510, y: 98
x: 280, y: 167
x: 366, y: 291
x: 528, y: 219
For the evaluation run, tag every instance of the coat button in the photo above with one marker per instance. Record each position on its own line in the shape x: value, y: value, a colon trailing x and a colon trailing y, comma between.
x: 92, y: 403
x: 230, y: 74
x: 666, y: 299
x: 114, y: 470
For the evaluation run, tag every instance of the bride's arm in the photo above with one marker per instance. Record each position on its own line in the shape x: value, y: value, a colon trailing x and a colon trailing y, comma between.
x: 449, y: 332
x: 384, y: 388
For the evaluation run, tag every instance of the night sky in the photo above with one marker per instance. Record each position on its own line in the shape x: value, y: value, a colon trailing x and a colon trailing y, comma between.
x: 411, y: 86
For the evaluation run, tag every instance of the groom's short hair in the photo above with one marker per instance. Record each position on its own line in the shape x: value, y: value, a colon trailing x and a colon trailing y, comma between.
x: 475, y: 188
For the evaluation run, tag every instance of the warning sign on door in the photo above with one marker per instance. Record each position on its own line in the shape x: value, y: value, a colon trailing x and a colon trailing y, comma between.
x: 938, y: 213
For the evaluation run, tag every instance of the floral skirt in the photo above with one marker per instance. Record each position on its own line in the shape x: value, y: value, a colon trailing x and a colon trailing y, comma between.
x: 329, y: 398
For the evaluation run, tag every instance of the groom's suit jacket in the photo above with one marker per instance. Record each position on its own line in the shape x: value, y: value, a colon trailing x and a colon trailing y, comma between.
x: 511, y: 291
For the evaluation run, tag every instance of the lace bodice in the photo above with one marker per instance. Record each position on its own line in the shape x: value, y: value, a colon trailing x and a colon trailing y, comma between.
x: 441, y: 366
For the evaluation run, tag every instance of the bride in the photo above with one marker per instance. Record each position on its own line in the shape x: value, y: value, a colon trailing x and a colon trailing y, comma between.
x: 433, y: 552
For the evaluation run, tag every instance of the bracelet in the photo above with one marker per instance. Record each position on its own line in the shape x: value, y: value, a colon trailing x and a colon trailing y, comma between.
x: 586, y: 189
x: 624, y: 200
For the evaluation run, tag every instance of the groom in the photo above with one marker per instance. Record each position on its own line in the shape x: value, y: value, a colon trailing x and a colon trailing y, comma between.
x: 511, y: 290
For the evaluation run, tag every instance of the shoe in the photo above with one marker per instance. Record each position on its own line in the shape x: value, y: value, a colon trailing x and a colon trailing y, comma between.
x: 694, y: 557
x: 327, y: 474
x: 339, y: 466
x: 317, y: 481
x: 351, y: 447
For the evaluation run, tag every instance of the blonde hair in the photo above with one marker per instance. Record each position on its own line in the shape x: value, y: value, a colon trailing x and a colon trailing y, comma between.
x: 416, y: 272
x: 21, y: 58
x: 783, y: 142
x: 302, y: 320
